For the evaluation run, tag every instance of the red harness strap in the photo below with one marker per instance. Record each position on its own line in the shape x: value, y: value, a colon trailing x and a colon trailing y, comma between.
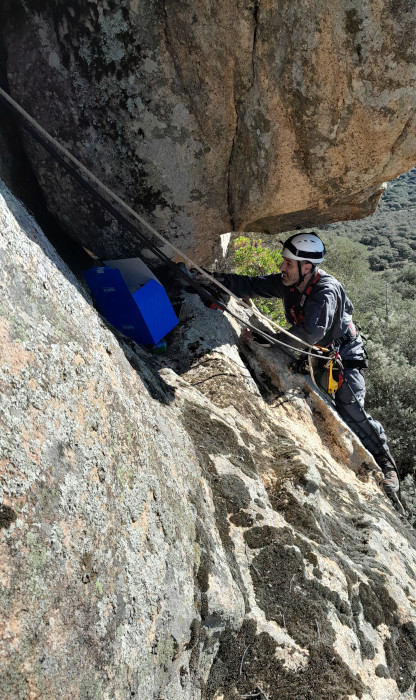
x: 297, y: 312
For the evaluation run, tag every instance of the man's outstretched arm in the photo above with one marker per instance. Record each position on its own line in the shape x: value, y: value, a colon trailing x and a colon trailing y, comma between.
x: 244, y: 286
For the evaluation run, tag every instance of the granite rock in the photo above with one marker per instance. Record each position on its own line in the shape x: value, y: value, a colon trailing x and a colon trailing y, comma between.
x: 212, y: 117
x: 195, y: 526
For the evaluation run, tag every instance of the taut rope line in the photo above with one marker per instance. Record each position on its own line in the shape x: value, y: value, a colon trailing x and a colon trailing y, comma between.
x: 84, y: 175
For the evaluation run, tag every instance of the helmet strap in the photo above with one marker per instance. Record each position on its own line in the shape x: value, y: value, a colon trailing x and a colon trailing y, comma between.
x: 302, y: 276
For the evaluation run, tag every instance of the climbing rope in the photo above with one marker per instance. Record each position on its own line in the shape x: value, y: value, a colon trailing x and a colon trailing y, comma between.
x: 109, y: 198
x: 100, y: 191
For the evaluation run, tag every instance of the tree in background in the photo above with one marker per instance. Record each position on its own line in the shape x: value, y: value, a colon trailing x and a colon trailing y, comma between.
x: 389, y: 233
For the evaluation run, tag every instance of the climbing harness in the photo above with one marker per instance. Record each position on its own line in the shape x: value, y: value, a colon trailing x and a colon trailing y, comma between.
x: 297, y: 312
x: 333, y: 385
x: 328, y: 374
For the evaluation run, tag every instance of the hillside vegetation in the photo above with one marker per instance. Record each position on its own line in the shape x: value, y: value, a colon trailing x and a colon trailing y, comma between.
x: 375, y: 259
x: 390, y: 233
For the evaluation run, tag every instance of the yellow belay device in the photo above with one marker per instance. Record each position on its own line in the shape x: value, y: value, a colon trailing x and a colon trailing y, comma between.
x: 325, y: 375
x: 333, y: 385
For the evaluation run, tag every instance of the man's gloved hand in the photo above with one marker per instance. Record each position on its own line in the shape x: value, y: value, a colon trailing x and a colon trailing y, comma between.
x: 299, y: 366
x: 216, y: 275
x: 198, y: 277
x: 205, y: 284
x: 193, y: 272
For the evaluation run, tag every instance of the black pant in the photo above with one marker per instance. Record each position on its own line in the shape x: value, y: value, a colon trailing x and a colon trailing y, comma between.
x: 369, y: 430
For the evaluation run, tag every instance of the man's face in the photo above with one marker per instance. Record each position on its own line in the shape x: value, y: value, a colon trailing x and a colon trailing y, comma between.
x: 290, y: 271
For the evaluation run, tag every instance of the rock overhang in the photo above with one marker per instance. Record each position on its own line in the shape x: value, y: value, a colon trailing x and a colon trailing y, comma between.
x: 295, y: 122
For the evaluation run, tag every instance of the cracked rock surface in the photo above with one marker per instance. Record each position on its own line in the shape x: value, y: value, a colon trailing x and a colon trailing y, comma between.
x: 177, y: 527
x: 219, y: 116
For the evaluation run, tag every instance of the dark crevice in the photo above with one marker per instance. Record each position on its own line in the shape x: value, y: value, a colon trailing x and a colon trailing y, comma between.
x: 19, y: 176
x: 237, y: 105
x: 229, y: 195
x: 268, y: 391
x: 256, y: 13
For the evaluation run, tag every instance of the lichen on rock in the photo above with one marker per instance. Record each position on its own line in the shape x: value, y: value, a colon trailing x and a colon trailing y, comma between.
x: 172, y: 528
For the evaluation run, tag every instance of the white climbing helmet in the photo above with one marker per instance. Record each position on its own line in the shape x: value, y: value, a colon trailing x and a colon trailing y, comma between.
x: 304, y: 246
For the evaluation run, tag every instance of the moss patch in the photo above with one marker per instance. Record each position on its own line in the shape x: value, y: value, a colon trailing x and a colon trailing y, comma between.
x: 246, y: 663
x: 7, y: 516
x: 301, y: 516
x: 259, y: 537
x: 242, y: 519
x: 378, y: 606
x: 400, y: 652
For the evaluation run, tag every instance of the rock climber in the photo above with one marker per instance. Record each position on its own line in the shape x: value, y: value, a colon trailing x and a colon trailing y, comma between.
x: 320, y: 312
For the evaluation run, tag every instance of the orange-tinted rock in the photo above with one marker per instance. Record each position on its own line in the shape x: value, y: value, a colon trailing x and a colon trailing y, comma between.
x: 213, y: 116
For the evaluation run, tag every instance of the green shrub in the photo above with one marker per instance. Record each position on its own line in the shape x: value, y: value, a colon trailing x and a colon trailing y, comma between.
x: 253, y: 259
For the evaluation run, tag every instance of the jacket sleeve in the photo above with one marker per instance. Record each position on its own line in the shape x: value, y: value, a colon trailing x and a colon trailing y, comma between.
x: 244, y: 286
x: 320, y: 312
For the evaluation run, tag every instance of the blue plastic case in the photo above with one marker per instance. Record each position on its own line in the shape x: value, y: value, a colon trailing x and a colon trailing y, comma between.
x: 145, y: 316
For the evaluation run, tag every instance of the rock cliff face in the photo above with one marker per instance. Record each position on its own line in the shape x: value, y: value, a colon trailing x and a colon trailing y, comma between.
x: 209, y: 117
x: 193, y: 527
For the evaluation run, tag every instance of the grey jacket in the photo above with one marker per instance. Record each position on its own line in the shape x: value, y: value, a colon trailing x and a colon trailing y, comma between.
x: 327, y: 311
